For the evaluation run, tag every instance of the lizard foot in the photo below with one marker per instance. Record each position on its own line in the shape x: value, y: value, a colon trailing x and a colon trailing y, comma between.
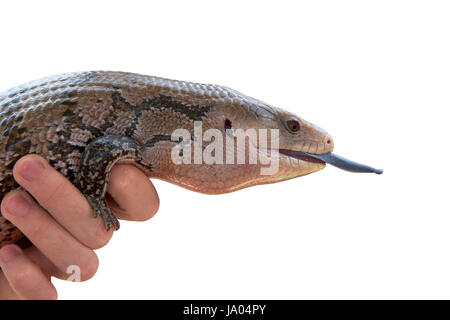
x: 96, y: 164
x: 101, y: 207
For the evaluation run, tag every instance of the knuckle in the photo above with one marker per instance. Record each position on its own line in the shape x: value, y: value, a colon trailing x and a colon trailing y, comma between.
x: 54, y: 191
x: 3, y: 209
x: 127, y: 174
x: 56, y: 185
x: 29, y: 169
x: 40, y: 228
x: 4, y: 203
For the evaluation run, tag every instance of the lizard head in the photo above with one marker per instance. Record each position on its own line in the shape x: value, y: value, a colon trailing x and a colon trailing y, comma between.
x: 227, y: 141
x: 280, y: 141
x: 240, y: 142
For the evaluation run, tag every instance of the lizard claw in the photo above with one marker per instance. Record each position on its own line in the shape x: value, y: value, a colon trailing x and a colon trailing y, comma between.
x: 101, y: 207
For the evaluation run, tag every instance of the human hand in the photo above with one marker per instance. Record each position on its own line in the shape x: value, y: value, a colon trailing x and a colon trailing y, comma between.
x: 59, y: 222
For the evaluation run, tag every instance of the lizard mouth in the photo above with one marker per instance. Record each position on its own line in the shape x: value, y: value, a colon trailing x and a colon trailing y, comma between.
x: 331, y: 158
x: 300, y: 156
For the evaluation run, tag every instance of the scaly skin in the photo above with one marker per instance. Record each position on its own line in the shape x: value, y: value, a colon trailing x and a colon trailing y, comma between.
x: 83, y: 123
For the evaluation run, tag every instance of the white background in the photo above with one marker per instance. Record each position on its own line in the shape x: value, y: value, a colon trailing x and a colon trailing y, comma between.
x: 375, y: 74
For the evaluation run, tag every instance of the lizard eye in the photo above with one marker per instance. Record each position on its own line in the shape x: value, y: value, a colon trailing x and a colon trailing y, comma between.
x: 292, y: 125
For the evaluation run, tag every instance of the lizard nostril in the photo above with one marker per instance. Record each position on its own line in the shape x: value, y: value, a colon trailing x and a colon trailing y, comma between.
x: 328, y: 143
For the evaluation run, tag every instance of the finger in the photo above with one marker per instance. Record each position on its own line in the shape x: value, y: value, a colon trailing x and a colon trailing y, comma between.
x: 24, y: 277
x: 6, y: 292
x: 46, y: 265
x: 39, y: 259
x: 133, y: 195
x: 47, y: 235
x: 62, y: 200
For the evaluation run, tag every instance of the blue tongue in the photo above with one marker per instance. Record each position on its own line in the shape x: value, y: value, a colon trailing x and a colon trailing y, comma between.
x: 344, y: 164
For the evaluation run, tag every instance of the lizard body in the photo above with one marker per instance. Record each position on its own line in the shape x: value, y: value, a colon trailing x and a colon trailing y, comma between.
x: 83, y: 123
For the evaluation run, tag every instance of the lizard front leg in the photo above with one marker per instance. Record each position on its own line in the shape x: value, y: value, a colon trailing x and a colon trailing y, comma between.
x: 96, y: 163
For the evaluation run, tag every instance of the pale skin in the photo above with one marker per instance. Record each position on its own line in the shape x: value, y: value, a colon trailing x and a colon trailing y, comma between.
x: 58, y: 220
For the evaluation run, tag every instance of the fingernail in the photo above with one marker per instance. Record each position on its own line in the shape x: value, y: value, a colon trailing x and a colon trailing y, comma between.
x: 8, y: 253
x: 17, y: 205
x: 31, y: 169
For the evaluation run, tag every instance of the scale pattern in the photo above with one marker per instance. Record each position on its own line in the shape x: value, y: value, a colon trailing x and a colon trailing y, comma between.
x: 57, y: 117
x: 83, y: 123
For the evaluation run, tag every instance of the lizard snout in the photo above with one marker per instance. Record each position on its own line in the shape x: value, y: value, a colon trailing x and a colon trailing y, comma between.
x: 328, y: 143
